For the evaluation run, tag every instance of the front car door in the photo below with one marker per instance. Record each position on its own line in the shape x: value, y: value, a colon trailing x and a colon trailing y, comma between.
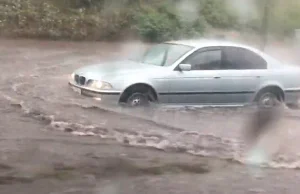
x: 201, y: 83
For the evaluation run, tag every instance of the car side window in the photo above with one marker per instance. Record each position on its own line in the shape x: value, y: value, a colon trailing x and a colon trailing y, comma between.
x: 240, y: 58
x: 205, y: 60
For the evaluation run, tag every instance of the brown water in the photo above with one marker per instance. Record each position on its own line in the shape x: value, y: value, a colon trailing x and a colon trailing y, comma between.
x: 54, y: 141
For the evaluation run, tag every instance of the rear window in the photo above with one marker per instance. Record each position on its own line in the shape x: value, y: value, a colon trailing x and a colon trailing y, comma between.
x: 240, y: 58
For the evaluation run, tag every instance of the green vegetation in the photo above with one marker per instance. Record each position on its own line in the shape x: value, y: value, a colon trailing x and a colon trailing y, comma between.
x: 150, y: 20
x: 285, y: 17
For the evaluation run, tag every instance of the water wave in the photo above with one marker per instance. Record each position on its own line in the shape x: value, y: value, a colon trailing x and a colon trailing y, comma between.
x: 184, y: 141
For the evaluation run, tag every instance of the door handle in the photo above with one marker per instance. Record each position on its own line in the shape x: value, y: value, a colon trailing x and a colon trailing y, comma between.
x: 217, y: 77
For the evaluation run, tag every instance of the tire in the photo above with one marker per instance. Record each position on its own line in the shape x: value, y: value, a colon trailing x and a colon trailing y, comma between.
x: 268, y: 99
x: 138, y: 99
x: 138, y: 95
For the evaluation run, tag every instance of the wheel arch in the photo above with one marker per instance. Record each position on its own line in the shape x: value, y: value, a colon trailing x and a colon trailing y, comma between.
x: 272, y: 87
x: 138, y: 86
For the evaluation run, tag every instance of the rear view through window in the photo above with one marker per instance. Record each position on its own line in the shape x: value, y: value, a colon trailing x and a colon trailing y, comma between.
x: 240, y: 58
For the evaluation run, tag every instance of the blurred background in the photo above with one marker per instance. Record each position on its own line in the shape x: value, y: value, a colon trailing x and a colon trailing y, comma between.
x: 150, y: 20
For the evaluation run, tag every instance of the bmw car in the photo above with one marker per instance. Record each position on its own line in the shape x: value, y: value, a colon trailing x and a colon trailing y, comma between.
x: 192, y: 72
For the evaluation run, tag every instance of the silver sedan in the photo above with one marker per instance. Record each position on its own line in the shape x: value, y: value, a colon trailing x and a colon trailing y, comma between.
x: 192, y: 72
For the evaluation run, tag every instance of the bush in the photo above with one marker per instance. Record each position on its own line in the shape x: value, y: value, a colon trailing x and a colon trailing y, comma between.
x: 153, y: 26
x: 284, y: 20
x: 44, y: 19
x: 217, y: 14
x: 152, y: 20
x: 164, y: 23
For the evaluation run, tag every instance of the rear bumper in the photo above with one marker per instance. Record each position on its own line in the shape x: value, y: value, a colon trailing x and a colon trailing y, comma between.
x: 107, y: 97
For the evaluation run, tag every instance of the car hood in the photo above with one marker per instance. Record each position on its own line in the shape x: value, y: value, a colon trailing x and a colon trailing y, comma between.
x: 98, y: 71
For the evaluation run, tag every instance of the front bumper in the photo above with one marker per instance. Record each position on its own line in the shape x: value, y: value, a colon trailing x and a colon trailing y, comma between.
x: 107, y: 97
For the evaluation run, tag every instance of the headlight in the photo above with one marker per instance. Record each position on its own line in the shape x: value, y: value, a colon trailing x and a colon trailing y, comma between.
x: 100, y: 85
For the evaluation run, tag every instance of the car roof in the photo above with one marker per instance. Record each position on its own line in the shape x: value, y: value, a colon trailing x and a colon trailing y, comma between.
x: 200, y: 43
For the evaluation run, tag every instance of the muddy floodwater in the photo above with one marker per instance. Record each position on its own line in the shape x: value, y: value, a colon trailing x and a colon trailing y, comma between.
x: 53, y: 141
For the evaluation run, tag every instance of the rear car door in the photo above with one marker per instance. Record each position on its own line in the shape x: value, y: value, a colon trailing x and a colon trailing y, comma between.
x: 241, y: 75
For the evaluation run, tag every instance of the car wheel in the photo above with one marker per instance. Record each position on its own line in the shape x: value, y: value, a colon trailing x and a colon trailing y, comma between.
x: 268, y: 100
x: 137, y: 100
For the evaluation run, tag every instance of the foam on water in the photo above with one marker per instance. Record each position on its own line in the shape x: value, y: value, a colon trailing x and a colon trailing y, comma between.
x: 176, y: 129
x: 190, y: 142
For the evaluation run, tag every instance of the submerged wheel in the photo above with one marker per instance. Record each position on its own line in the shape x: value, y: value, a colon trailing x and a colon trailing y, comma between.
x: 268, y: 100
x: 270, y: 97
x: 137, y: 99
x: 138, y: 95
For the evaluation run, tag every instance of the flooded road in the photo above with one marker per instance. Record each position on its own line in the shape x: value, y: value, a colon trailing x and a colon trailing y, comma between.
x: 55, y: 141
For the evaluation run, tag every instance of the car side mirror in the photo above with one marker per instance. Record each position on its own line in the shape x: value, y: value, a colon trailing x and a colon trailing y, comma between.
x: 185, y: 67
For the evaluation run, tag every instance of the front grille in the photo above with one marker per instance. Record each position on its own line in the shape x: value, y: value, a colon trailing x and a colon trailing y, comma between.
x: 80, y: 80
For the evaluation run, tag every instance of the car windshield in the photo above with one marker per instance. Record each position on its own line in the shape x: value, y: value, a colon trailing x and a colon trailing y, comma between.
x: 163, y: 54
